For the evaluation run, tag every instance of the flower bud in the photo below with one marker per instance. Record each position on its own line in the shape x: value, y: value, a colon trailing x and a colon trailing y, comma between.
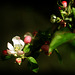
x: 62, y: 23
x: 27, y: 39
x: 18, y: 60
x: 64, y: 3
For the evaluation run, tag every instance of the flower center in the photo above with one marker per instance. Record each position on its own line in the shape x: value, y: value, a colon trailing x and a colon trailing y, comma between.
x: 16, y: 48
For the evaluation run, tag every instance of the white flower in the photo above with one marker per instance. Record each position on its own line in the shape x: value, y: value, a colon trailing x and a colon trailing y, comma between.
x: 18, y: 45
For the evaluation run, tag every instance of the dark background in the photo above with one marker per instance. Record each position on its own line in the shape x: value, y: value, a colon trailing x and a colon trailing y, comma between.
x: 17, y: 18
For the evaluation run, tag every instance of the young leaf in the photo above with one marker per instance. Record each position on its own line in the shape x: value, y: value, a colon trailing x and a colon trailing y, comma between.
x: 26, y: 48
x: 73, y: 15
x: 32, y: 64
x: 60, y: 38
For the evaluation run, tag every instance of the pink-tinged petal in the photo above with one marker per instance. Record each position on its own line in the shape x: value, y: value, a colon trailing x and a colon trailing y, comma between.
x: 11, y: 52
x: 10, y: 47
x: 20, y: 52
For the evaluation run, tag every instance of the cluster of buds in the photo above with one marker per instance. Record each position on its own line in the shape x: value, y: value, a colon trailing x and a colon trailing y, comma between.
x: 65, y: 11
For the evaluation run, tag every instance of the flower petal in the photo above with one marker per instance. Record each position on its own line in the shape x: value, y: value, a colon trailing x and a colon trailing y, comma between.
x: 20, y: 52
x: 10, y: 47
x: 22, y: 43
x: 16, y: 40
x: 11, y: 52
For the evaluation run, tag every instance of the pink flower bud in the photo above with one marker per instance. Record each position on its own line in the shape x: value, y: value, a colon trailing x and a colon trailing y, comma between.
x: 64, y: 3
x: 18, y: 60
x: 27, y: 39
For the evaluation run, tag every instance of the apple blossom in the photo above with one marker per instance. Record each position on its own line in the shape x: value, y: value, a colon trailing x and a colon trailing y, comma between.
x: 18, y: 45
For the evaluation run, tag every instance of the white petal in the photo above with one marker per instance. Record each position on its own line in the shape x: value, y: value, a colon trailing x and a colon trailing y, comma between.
x: 16, y: 40
x: 22, y: 43
x: 10, y: 47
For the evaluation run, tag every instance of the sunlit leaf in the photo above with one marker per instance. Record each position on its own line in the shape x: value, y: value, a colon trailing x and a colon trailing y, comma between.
x: 61, y: 37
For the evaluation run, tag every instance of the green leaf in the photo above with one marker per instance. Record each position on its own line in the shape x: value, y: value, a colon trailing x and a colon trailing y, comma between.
x: 73, y: 12
x: 73, y: 15
x: 59, y: 56
x: 32, y: 64
x: 60, y: 37
x: 26, y: 48
x: 31, y: 59
x: 69, y: 9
